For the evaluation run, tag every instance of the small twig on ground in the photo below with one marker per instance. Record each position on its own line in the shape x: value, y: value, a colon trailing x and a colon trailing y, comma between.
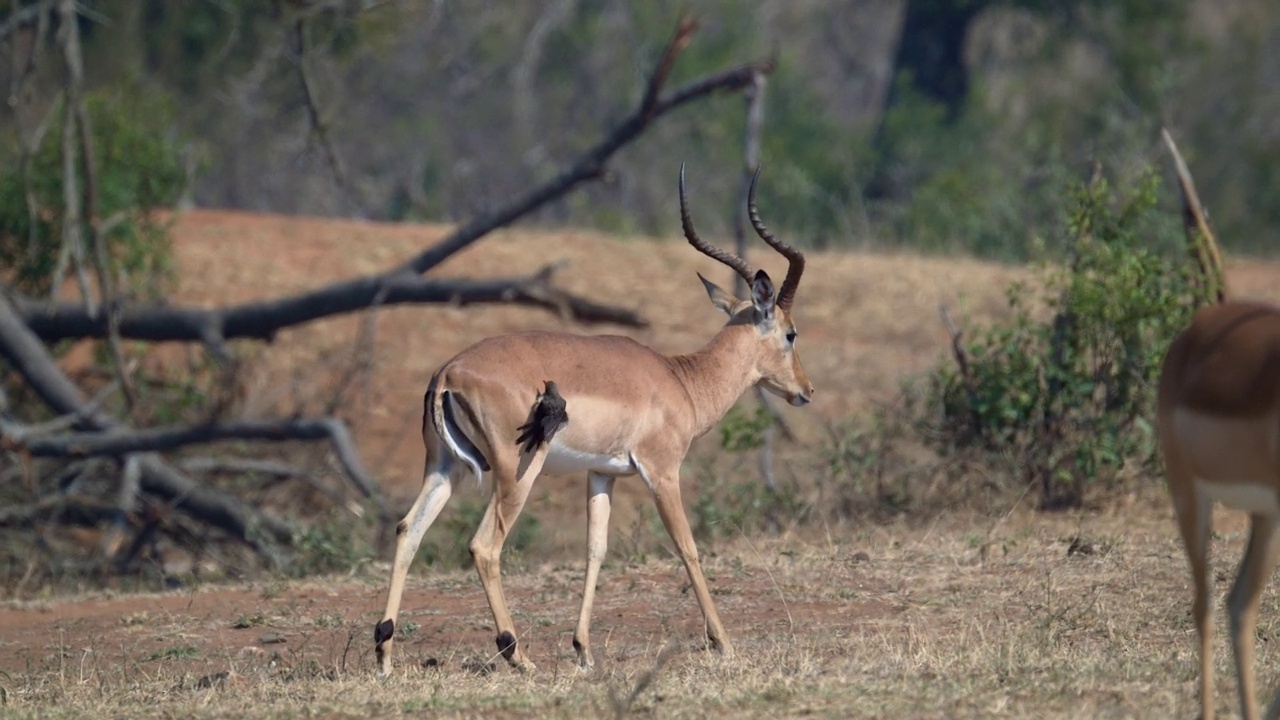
x: 126, y: 505
x: 622, y: 705
x: 962, y: 363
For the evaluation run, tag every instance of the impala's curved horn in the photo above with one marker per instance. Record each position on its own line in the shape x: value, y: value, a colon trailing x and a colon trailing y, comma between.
x: 795, y: 258
x: 728, y: 258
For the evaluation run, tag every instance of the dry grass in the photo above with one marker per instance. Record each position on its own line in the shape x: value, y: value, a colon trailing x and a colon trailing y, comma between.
x: 968, y: 616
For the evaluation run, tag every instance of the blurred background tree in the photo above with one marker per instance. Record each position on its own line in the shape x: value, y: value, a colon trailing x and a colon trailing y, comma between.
x: 940, y: 125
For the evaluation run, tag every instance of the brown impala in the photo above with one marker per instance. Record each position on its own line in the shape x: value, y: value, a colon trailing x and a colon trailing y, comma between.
x: 1219, y: 424
x: 627, y: 410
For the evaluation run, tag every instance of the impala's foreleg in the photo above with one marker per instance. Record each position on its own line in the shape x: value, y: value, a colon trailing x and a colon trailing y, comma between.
x: 666, y: 493
x: 436, y: 489
x: 599, y: 502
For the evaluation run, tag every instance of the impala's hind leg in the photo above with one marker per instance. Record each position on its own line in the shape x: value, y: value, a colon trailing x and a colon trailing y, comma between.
x: 1193, y: 511
x: 1242, y: 604
x: 510, y: 490
x: 436, y: 489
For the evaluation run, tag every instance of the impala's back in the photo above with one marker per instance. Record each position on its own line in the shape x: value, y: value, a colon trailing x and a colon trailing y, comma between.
x: 617, y: 392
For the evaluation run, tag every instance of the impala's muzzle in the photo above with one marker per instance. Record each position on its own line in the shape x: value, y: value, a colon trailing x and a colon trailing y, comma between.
x: 797, y: 396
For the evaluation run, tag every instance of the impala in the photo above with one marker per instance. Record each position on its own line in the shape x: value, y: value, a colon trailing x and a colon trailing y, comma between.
x: 630, y: 411
x: 1219, y: 426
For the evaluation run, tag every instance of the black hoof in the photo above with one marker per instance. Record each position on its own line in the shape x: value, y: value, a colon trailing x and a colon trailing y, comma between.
x: 507, y: 645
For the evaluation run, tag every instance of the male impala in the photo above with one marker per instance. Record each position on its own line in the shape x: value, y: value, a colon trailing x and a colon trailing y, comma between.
x: 1219, y: 425
x: 630, y: 411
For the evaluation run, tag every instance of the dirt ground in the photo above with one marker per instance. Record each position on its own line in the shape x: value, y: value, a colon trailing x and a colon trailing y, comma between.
x: 1023, y: 615
x: 957, y: 616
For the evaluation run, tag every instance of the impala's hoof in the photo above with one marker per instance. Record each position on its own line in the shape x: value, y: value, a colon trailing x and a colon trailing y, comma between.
x: 383, y: 631
x: 585, y: 661
x: 507, y: 645
x: 721, y: 647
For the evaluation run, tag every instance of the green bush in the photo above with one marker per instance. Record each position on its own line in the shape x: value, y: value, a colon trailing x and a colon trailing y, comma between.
x: 732, y: 499
x: 1065, y: 388
x: 138, y: 170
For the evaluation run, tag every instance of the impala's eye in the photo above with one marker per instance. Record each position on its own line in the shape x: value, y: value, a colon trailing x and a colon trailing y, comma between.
x: 791, y: 337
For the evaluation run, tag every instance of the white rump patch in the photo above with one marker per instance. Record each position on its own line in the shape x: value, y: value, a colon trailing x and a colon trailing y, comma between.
x: 644, y: 474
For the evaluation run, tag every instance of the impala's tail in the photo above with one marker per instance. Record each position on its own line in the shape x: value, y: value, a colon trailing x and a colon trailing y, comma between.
x: 441, y: 408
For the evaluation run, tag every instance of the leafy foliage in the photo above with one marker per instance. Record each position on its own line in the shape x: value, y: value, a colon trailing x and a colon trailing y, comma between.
x: 1065, y: 387
x: 736, y: 501
x: 138, y: 171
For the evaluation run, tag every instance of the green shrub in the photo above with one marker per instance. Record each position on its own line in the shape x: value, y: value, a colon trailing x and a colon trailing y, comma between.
x: 1065, y: 388
x: 731, y: 498
x: 138, y: 170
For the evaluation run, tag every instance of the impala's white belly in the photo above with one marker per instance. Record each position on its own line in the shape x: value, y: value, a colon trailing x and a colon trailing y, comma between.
x: 565, y: 460
x: 1234, y: 461
x: 1254, y: 499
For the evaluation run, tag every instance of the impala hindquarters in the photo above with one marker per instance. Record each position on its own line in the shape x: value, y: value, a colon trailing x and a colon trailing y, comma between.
x: 1219, y: 427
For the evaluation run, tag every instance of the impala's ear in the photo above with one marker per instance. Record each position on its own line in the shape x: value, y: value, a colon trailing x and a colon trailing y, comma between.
x: 719, y: 297
x: 762, y: 294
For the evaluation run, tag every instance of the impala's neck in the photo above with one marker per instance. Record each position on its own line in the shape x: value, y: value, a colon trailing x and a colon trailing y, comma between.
x: 717, y: 375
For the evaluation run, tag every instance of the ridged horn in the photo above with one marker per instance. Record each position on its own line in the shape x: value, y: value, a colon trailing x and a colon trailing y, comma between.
x: 795, y: 258
x: 728, y: 258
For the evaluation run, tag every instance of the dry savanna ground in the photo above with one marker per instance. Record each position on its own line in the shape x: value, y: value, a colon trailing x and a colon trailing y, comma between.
x: 1005, y: 613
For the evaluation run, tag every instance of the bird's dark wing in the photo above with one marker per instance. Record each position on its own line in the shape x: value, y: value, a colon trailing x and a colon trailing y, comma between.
x: 546, y: 419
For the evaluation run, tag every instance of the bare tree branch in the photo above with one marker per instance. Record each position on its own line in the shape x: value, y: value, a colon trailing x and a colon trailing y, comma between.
x: 29, y: 357
x: 754, y: 95
x: 590, y: 165
x: 319, y: 128
x: 403, y: 284
x: 685, y: 30
x: 126, y: 504
x: 72, y: 250
x: 21, y: 17
x: 261, y: 320
x: 121, y: 441
x: 240, y: 465
x: 962, y: 363
x: 23, y: 70
x: 78, y: 118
